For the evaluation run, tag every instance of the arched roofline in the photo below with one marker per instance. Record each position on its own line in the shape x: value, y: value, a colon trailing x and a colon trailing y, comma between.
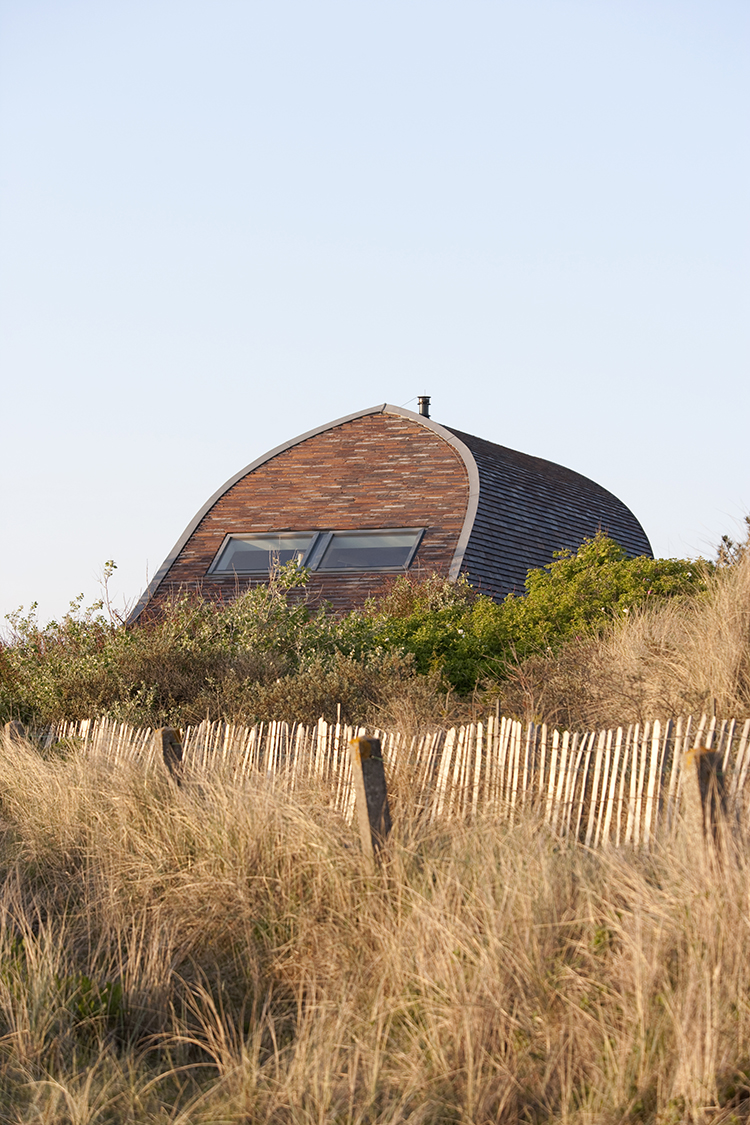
x: 385, y: 408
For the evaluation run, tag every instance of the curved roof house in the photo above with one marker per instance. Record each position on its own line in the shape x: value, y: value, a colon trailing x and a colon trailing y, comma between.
x: 385, y: 491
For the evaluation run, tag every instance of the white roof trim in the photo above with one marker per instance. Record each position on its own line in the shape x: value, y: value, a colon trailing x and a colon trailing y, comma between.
x: 385, y: 408
x: 471, y: 471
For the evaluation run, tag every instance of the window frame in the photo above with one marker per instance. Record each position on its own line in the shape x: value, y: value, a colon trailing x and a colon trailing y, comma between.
x: 213, y: 570
x: 315, y: 552
x: 320, y: 551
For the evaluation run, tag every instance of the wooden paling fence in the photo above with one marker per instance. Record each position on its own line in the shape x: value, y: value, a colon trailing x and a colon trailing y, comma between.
x: 620, y: 787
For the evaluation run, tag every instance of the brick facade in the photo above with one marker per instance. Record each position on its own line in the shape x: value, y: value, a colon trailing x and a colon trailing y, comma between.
x: 376, y: 471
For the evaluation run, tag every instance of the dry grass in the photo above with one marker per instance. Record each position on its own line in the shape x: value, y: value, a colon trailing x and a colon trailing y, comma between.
x: 209, y: 954
x: 678, y: 657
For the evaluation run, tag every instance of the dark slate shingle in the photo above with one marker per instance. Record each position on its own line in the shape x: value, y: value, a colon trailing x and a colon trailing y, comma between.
x: 528, y: 509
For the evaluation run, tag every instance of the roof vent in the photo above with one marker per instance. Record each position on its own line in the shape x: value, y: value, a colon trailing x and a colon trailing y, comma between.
x: 424, y: 405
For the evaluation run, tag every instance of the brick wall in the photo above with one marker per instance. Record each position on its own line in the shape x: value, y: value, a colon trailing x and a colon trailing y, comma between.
x: 381, y: 470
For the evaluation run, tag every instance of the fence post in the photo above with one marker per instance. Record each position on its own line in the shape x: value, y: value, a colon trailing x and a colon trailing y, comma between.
x: 373, y: 814
x: 15, y: 731
x: 704, y: 794
x: 167, y: 739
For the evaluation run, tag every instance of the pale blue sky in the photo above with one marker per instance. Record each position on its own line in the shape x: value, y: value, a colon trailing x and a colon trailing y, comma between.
x: 223, y: 223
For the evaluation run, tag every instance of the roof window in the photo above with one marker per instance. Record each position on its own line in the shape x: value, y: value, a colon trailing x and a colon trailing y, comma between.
x: 334, y: 552
x: 369, y: 550
x: 258, y: 554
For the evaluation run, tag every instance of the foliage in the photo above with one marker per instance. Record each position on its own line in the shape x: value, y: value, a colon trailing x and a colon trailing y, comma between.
x: 666, y: 657
x: 195, y: 657
x: 435, y: 621
x: 469, y: 638
x: 267, y: 652
x: 583, y: 590
x: 731, y: 552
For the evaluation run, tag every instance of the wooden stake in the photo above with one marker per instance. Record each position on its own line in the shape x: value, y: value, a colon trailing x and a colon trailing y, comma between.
x: 622, y: 785
x: 373, y: 814
x: 442, y: 780
x: 15, y: 731
x: 603, y: 798
x: 561, y: 778
x: 551, y: 780
x: 572, y: 787
x: 705, y: 793
x: 595, y: 784
x: 477, y: 769
x: 167, y: 739
x: 738, y: 778
x: 652, y: 774
x: 641, y: 776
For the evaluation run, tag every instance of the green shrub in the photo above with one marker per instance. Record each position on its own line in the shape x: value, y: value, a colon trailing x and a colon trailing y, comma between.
x: 598, y: 584
x: 469, y: 638
x: 267, y: 653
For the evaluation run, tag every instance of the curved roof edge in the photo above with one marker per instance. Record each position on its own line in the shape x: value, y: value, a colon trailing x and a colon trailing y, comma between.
x: 385, y: 408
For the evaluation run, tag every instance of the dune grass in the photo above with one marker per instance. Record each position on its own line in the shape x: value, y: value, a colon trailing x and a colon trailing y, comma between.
x: 215, y: 954
x: 676, y: 656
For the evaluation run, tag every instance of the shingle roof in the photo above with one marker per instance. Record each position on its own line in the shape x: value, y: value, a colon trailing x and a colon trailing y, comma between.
x: 528, y: 509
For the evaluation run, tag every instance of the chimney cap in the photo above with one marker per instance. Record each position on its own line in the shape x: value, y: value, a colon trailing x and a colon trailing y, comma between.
x: 424, y: 405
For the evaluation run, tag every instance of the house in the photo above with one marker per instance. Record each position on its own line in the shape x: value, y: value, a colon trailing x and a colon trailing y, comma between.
x: 382, y: 492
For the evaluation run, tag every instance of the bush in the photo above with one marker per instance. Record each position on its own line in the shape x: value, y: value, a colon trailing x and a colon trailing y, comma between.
x: 667, y: 657
x: 262, y: 655
x: 580, y: 592
x: 267, y: 654
x: 468, y: 638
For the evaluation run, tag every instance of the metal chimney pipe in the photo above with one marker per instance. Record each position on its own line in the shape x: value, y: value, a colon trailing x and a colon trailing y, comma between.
x: 424, y: 405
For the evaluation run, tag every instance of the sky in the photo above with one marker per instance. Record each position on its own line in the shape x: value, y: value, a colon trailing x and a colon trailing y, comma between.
x: 226, y: 222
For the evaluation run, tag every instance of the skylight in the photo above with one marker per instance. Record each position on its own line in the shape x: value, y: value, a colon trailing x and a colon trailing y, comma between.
x: 369, y: 550
x: 330, y: 551
x: 258, y: 554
